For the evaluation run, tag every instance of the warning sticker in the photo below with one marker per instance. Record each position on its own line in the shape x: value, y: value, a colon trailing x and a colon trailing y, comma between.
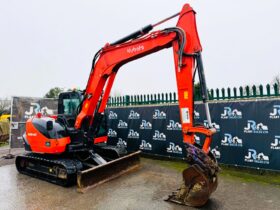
x: 185, y: 113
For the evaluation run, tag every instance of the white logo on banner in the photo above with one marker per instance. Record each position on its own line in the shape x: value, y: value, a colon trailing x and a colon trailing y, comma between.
x: 35, y: 109
x: 275, y: 114
x: 216, y: 153
x: 174, y: 125
x: 253, y: 127
x: 133, y: 134
x: 121, y: 143
x: 231, y: 114
x: 112, y: 133
x: 231, y: 141
x: 215, y: 125
x: 133, y: 115
x: 112, y: 115
x: 175, y: 149
x: 254, y: 157
x: 276, y: 144
x: 145, y: 125
x: 145, y: 145
x: 196, y: 115
x: 159, y: 136
x: 122, y: 124
x: 159, y: 114
x: 197, y: 139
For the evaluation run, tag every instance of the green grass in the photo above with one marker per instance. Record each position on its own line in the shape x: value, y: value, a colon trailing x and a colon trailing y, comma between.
x: 242, y: 174
x: 2, y: 144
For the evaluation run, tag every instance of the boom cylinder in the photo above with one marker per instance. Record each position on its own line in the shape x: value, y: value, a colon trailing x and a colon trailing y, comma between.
x: 134, y: 35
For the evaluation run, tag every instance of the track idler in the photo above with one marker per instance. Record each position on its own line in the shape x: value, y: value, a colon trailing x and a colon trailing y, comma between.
x: 199, y: 180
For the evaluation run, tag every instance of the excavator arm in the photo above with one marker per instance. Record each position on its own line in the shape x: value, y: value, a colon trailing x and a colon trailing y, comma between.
x: 200, y: 180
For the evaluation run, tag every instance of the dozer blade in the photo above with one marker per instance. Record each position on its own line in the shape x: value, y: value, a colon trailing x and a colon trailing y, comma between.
x: 97, y: 175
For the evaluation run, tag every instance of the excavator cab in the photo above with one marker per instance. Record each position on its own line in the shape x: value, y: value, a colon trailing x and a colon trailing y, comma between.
x: 68, y: 104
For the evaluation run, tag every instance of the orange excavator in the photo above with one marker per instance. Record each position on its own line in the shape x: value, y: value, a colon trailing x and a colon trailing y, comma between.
x: 67, y: 148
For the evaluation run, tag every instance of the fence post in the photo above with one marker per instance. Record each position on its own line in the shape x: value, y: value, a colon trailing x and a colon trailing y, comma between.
x: 223, y: 93
x: 261, y: 90
x: 229, y: 93
x: 254, y: 90
x: 218, y: 94
x: 235, y: 92
x: 127, y: 100
x: 174, y: 97
x: 276, y: 90
x: 268, y: 89
x: 241, y: 92
x: 247, y: 89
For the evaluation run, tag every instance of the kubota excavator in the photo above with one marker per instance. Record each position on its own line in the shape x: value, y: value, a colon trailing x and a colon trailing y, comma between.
x: 65, y: 149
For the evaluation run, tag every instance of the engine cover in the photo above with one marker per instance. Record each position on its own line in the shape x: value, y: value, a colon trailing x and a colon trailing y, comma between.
x: 39, y: 139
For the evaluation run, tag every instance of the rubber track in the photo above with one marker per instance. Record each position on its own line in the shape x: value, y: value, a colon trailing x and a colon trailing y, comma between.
x: 72, y: 166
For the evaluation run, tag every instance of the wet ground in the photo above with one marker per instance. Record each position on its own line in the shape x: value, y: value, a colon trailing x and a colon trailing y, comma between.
x: 5, y: 151
x: 143, y: 189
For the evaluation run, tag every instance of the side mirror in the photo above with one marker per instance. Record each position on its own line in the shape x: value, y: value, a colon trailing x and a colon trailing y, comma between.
x: 49, y: 125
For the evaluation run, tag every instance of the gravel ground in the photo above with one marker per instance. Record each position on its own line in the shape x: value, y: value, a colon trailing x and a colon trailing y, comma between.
x: 143, y: 189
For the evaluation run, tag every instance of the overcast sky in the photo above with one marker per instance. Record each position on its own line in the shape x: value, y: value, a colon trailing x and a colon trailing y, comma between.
x: 50, y: 43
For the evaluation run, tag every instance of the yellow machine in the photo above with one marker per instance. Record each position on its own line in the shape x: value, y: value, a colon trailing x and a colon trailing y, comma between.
x: 5, y: 117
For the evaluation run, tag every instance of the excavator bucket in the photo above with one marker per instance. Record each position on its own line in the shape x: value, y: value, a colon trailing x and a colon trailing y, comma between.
x: 196, y: 188
x: 199, y: 180
x: 94, y: 176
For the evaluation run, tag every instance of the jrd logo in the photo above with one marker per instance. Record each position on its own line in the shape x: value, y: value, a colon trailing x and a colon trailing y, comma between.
x: 133, y: 134
x: 112, y: 133
x: 216, y: 152
x: 215, y: 125
x: 254, y: 157
x: 145, y: 145
x: 253, y: 127
x: 35, y: 108
x: 231, y: 114
x: 112, y: 115
x: 197, y: 139
x: 276, y: 112
x: 133, y: 115
x: 122, y: 124
x: 229, y: 141
x: 159, y: 114
x: 145, y: 125
x: 174, y: 125
x: 159, y: 136
x: 276, y: 144
x: 175, y: 149
x: 121, y: 143
x: 196, y: 115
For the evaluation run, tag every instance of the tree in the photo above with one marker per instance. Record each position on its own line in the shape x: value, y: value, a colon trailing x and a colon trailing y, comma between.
x: 276, y: 80
x: 5, y: 106
x: 54, y: 92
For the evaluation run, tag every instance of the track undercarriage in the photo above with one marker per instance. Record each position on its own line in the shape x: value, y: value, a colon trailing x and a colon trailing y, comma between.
x: 87, y: 169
